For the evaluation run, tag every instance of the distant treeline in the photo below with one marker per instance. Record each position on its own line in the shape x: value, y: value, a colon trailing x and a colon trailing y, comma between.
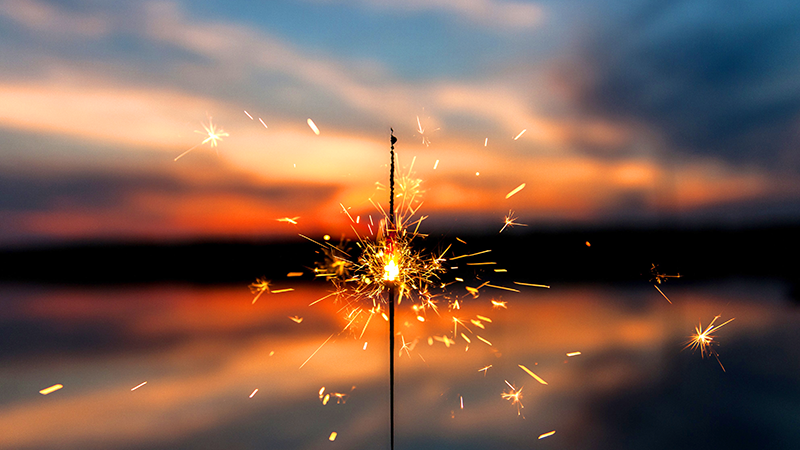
x: 540, y: 256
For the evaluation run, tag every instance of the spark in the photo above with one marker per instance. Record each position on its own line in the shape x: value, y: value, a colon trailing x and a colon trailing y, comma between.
x: 296, y: 319
x: 248, y: 114
x: 52, y: 388
x: 436, y: 164
x: 573, y: 354
x: 515, y: 190
x: 462, y: 402
x: 291, y: 220
x: 514, y: 396
x: 294, y: 274
x: 484, y: 318
x: 536, y: 377
x: 499, y: 304
x: 704, y: 340
x: 281, y: 291
x: 254, y: 393
x: 313, y: 126
x: 332, y: 437
x: 262, y: 123
x: 464, y: 336
x: 365, y: 346
x: 502, y: 287
x: 486, y: 142
x: 485, y: 369
x: 138, y: 386
x: 260, y: 286
x: 533, y: 285
x: 484, y: 340
x: 315, y: 351
x: 520, y: 134
x: 660, y: 278
x: 588, y: 244
x: 509, y: 221
x: 548, y: 434
x: 213, y: 135
x: 421, y: 132
x: 471, y: 254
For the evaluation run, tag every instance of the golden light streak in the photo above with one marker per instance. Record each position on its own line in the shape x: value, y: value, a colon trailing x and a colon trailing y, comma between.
x: 213, y: 135
x: 533, y: 285
x: 484, y: 340
x: 478, y: 324
x: 464, y: 336
x: 313, y: 126
x: 704, y: 340
x: 51, y: 389
x: 471, y: 254
x: 485, y: 369
x: 484, y: 318
x: 138, y: 386
x: 662, y: 294
x: 516, y: 189
x: 502, y: 287
x: 281, y: 291
x: 292, y: 220
x: 536, y: 377
x: 573, y: 354
x: 262, y: 123
x: 254, y: 393
x: 486, y: 142
x: 520, y: 134
x: 461, y: 240
x: 436, y: 164
x: 296, y: 319
x: 294, y: 274
x: 315, y: 351
x: 248, y: 114
x: 462, y: 402
x: 333, y: 435
x: 548, y: 434
x: 365, y: 346
x: 488, y: 263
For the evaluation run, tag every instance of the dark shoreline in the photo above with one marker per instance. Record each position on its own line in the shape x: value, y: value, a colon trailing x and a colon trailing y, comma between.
x: 548, y: 256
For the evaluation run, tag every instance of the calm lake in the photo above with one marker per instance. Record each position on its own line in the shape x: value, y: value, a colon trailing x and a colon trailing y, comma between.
x: 204, y: 350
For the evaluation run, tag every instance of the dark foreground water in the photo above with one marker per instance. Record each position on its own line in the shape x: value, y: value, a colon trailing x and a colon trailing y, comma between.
x: 204, y: 350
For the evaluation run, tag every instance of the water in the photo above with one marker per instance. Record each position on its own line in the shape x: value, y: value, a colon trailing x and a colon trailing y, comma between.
x: 204, y: 350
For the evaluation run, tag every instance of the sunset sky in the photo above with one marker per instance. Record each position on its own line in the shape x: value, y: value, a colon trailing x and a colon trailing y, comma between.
x: 635, y: 112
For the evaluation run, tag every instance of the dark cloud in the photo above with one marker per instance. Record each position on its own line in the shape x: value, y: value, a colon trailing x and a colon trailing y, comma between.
x: 713, y: 78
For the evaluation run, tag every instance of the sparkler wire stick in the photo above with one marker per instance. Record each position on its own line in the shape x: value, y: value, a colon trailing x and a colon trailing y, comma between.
x: 391, y: 293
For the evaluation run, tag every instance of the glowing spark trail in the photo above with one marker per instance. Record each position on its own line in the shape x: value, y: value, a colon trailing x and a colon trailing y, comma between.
x: 536, y: 377
x: 296, y: 319
x: 573, y: 354
x: 660, y: 278
x: 313, y: 126
x: 248, y: 114
x: 704, y: 340
x: 213, y: 135
x: 315, y: 351
x: 138, y: 386
x: 548, y: 434
x: 51, y: 389
x: 533, y: 285
x: 292, y: 220
x: 254, y: 393
x: 485, y: 369
x: 260, y: 286
x: 516, y: 189
x: 520, y: 134
x: 332, y: 436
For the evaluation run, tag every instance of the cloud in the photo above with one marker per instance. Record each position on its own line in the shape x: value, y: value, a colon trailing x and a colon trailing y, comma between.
x: 708, y: 78
x: 493, y: 14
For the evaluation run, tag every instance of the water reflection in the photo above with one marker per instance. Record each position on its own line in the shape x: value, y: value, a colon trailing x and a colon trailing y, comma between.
x: 204, y: 350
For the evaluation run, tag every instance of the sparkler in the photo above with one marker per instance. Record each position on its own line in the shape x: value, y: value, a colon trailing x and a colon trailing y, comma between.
x: 509, y: 221
x: 212, y: 133
x: 704, y: 340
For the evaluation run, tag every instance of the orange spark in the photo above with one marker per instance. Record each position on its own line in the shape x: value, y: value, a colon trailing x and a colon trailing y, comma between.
x: 536, y: 377
x: 138, y: 386
x: 52, y: 388
x: 313, y: 126
x: 516, y: 189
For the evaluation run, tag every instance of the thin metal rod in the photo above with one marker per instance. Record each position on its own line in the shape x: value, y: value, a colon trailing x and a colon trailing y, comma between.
x: 390, y: 233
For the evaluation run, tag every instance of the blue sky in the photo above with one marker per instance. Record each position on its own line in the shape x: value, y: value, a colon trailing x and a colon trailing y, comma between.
x: 633, y: 111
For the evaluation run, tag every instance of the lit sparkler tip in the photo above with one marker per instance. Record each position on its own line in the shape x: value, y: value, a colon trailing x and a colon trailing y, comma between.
x: 704, y: 340
x: 51, y: 389
x: 313, y: 126
x: 213, y: 135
